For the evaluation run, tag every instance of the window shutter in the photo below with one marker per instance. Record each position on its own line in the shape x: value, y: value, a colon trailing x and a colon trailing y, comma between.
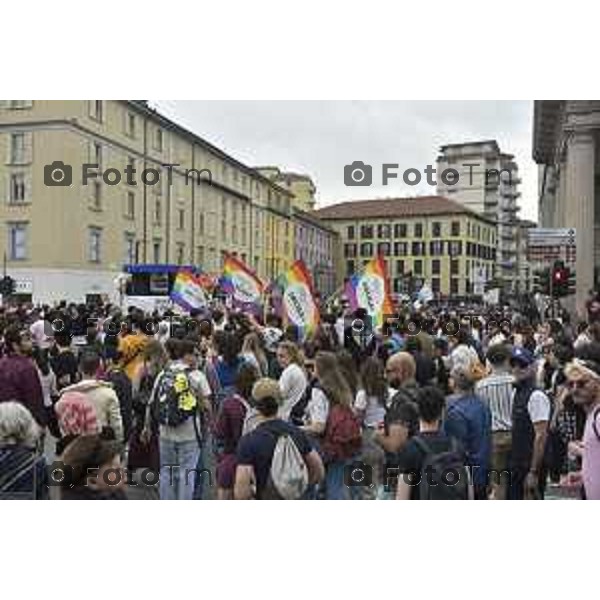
x: 28, y: 182
x: 28, y: 149
x: 4, y: 104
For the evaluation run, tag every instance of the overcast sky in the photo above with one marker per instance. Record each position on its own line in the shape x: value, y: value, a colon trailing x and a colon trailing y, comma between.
x: 319, y: 138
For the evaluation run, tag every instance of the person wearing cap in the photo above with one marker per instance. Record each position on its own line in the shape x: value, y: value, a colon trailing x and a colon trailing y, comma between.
x: 530, y: 416
x: 255, y: 449
x: 583, y: 379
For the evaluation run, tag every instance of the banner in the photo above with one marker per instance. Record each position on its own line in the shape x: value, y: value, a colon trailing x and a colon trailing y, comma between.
x: 297, y: 303
x: 188, y: 291
x: 371, y: 291
x: 240, y: 282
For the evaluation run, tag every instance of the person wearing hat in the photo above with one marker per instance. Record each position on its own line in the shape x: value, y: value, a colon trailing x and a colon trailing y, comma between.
x: 530, y: 417
x: 583, y: 379
x: 256, y: 449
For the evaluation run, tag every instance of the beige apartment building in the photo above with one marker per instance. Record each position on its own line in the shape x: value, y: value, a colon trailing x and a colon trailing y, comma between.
x: 70, y: 241
x: 424, y: 240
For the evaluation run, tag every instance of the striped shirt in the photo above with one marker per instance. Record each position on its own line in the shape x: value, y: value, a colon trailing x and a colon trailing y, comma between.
x: 496, y: 390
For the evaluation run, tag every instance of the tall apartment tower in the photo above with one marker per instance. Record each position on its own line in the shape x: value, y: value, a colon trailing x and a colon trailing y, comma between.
x: 487, y: 184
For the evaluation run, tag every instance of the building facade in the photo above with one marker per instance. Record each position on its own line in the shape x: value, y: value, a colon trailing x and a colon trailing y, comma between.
x: 428, y: 239
x: 524, y: 267
x: 70, y: 241
x: 488, y: 181
x: 317, y: 245
x: 565, y: 141
x: 300, y: 185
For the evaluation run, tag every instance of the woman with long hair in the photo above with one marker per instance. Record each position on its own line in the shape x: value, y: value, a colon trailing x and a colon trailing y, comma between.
x: 349, y: 371
x: 292, y: 380
x: 252, y: 351
x: 370, y: 405
x: 330, y: 412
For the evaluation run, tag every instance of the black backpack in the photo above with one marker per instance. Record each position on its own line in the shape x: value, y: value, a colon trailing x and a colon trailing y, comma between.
x: 298, y: 410
x: 443, y: 466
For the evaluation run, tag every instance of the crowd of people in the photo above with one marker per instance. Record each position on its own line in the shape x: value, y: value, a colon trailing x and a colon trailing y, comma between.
x: 101, y: 403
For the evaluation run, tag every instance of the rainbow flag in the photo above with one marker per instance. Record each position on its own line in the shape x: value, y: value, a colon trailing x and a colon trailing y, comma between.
x: 296, y: 304
x: 242, y: 284
x: 371, y: 291
x: 188, y: 291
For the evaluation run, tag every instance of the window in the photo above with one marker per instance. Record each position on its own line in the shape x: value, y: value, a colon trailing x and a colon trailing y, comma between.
x: 158, y: 140
x: 366, y: 231
x: 468, y: 229
x: 17, y: 240
x: 435, y: 267
x: 399, y: 267
x: 454, y: 287
x: 17, y: 188
x: 180, y: 253
x: 131, y: 161
x: 200, y: 255
x: 400, y: 230
x: 454, y: 267
x: 130, y: 209
x: 157, y: 211
x: 366, y: 249
x: 383, y: 231
x: 418, y: 267
x: 418, y: 230
x: 181, y: 218
x: 201, y: 224
x: 156, y: 251
x: 455, y: 228
x: 435, y: 285
x: 400, y: 248
x: 130, y: 125
x: 129, y: 249
x: 18, y: 104
x: 384, y: 248
x: 455, y: 248
x: 98, y: 155
x: 436, y: 229
x: 349, y: 250
x: 436, y: 248
x: 97, y: 110
x: 350, y: 232
x: 97, y: 196
x: 94, y: 244
x: 17, y: 148
x: 418, y: 249
x: 350, y: 268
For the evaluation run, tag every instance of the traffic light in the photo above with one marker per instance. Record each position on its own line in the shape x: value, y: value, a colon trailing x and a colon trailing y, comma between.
x: 563, y: 281
x: 7, y: 286
x: 541, y: 282
x: 571, y: 282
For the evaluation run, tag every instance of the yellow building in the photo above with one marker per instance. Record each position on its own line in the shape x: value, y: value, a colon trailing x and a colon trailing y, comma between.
x: 159, y: 194
x: 429, y: 239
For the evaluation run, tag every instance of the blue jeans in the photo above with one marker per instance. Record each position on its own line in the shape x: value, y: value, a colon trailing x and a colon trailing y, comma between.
x: 177, y: 482
x: 335, y: 488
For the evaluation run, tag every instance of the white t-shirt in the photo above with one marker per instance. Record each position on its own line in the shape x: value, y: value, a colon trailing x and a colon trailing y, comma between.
x: 317, y: 409
x: 38, y: 334
x: 292, y: 383
x: 371, y: 406
x: 538, y: 407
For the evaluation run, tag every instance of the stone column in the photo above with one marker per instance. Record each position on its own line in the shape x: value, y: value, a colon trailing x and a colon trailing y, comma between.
x: 579, y: 209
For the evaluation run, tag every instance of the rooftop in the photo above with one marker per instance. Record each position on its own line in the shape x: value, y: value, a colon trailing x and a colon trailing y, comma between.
x: 396, y: 207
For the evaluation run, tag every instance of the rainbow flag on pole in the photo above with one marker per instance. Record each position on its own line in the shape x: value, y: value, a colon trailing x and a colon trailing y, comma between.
x: 188, y: 291
x: 371, y: 291
x: 242, y: 284
x: 297, y: 303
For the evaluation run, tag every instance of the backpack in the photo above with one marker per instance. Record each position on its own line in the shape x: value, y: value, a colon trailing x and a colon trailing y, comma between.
x: 343, y: 435
x: 437, y: 465
x: 288, y: 475
x: 176, y: 401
